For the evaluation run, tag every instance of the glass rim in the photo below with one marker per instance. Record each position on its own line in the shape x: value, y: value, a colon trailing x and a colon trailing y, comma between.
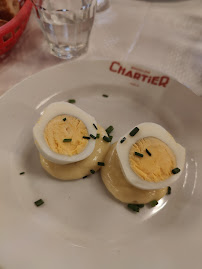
x: 84, y: 7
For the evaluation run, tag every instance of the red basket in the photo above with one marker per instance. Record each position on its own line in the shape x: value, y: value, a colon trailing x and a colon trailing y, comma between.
x: 12, y: 30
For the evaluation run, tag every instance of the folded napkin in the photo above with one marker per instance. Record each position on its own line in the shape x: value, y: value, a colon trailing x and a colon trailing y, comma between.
x: 163, y: 35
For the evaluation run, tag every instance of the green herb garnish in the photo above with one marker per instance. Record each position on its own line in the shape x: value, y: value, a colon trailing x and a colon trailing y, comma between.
x: 39, y: 202
x: 176, y: 170
x: 134, y: 207
x: 106, y: 139
x: 109, y: 129
x: 122, y: 140
x: 92, y: 171
x: 86, y: 137
x: 64, y: 119
x: 98, y: 136
x: 67, y: 140
x: 134, y: 131
x: 72, y: 101
x: 101, y: 164
x: 105, y: 95
x: 110, y: 137
x: 85, y: 177
x: 22, y: 173
x: 153, y: 203
x: 148, y: 152
x: 94, y: 137
x: 140, y: 205
x: 139, y: 154
x: 169, y: 190
x: 95, y: 126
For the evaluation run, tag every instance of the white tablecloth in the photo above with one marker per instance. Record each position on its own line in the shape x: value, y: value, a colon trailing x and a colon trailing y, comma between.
x: 163, y: 35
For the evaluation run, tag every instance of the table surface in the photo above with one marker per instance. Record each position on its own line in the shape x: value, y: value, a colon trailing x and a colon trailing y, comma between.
x: 163, y: 35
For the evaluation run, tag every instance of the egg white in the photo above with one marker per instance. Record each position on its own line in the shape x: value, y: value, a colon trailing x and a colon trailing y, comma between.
x: 153, y: 130
x: 50, y: 112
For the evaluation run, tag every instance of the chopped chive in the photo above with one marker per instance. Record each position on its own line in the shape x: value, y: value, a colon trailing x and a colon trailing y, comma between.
x: 101, y: 164
x: 110, y: 137
x: 85, y: 177
x: 22, y: 173
x: 169, y: 190
x: 72, y: 101
x: 134, y: 131
x: 67, y: 140
x: 134, y: 207
x: 39, y: 202
x: 64, y: 119
x: 95, y: 126
x: 109, y: 129
x: 92, y: 171
x: 140, y: 205
x: 106, y: 139
x: 94, y: 137
x: 153, y: 203
x: 98, y: 136
x: 86, y: 137
x: 122, y: 140
x: 105, y: 95
x: 148, y: 152
x: 176, y: 170
x: 139, y: 154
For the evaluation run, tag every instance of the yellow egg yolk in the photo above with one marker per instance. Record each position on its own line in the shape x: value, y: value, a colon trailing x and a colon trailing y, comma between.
x: 66, y: 127
x: 154, y: 168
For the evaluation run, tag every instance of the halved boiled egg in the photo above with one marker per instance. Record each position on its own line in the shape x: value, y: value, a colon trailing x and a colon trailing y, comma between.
x: 149, y: 157
x: 65, y: 134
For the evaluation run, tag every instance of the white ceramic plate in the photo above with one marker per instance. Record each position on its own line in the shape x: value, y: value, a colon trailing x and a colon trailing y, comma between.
x: 81, y: 225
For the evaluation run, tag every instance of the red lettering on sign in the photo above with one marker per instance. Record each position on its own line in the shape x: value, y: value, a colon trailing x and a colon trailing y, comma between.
x: 164, y: 81
x: 121, y: 70
x: 113, y: 66
x: 129, y: 74
x: 155, y: 80
x: 140, y: 70
x: 134, y: 84
x: 137, y: 75
x: 144, y: 77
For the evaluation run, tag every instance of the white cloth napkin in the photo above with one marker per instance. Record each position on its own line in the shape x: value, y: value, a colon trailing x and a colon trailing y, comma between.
x: 164, y: 35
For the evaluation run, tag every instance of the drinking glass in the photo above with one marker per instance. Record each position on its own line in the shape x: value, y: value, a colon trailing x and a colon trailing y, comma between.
x: 66, y: 25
